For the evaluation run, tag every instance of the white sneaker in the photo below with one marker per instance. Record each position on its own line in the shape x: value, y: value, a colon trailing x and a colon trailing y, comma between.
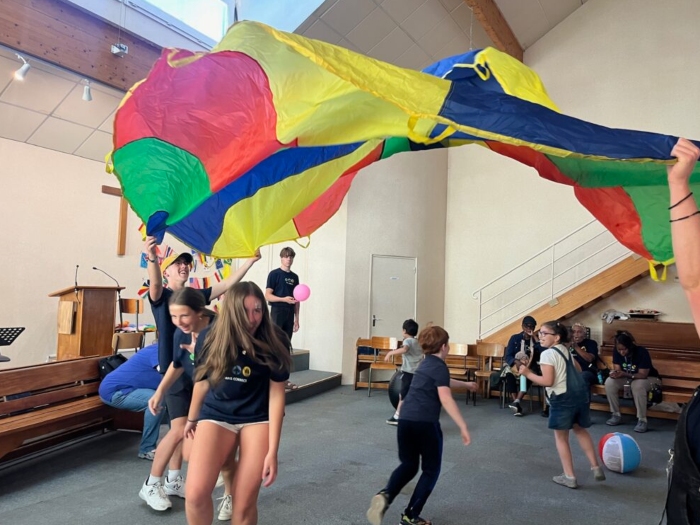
x: 175, y: 487
x: 155, y: 496
x: 219, y: 481
x: 225, y: 508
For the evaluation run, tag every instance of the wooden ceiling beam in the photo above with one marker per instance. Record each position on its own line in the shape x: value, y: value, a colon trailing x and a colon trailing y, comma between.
x: 495, y: 25
x: 66, y: 36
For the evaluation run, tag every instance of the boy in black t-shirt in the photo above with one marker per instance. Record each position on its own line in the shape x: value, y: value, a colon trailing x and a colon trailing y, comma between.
x: 419, y: 434
x: 279, y: 292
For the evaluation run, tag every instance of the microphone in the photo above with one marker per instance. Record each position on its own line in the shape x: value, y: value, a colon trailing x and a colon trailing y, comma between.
x: 76, y: 281
x: 119, y: 295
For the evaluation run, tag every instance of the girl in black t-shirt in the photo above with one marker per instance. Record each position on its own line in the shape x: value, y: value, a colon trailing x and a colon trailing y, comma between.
x: 190, y: 316
x: 238, y: 399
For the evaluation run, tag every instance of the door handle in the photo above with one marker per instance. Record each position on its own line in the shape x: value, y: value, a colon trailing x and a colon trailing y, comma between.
x: 375, y: 319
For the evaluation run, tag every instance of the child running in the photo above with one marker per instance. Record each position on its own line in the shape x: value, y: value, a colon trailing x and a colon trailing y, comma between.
x: 412, y: 355
x: 568, y: 400
x: 419, y: 434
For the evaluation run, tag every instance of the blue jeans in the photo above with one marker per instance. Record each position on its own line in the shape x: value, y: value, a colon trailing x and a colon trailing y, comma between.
x: 137, y: 401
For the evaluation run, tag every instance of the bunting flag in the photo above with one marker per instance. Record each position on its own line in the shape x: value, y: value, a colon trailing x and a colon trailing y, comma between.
x: 257, y: 142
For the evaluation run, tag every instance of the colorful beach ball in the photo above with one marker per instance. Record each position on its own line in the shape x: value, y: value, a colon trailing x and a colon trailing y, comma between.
x: 619, y: 452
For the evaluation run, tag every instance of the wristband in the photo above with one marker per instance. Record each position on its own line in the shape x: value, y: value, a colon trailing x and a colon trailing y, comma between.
x: 191, y: 420
x: 151, y: 260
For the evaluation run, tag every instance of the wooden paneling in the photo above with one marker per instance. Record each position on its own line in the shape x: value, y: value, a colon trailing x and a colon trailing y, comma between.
x: 64, y: 35
x: 655, y: 334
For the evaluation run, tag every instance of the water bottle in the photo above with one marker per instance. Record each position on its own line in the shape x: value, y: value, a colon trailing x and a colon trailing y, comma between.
x: 600, y: 378
x: 627, y: 391
x: 523, y: 383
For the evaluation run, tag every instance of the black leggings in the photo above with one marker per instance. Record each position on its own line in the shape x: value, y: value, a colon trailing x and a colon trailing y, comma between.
x: 420, y: 444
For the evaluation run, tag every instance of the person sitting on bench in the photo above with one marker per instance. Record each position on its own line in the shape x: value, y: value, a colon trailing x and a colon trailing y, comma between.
x: 129, y: 387
x: 634, y: 372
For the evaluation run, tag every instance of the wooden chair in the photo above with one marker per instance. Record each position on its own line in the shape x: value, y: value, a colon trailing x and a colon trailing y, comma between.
x: 132, y: 306
x: 379, y: 344
x: 128, y: 341
x: 362, y: 362
x: 487, y: 353
x: 457, y: 363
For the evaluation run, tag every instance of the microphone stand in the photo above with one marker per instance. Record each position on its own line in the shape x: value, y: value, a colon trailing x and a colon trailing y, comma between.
x: 119, y: 298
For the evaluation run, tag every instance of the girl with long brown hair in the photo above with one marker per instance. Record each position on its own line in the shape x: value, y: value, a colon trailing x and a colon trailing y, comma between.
x: 238, y: 400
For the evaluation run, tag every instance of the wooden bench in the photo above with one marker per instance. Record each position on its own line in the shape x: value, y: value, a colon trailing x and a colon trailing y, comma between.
x: 675, y: 352
x: 44, y: 405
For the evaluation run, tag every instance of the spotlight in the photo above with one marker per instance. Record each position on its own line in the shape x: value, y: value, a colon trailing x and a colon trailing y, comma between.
x: 22, y: 71
x: 87, y: 93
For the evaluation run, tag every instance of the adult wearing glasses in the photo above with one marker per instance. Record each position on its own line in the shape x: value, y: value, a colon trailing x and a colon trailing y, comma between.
x: 683, y: 501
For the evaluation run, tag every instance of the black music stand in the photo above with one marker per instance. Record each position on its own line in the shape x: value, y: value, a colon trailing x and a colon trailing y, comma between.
x: 7, y: 337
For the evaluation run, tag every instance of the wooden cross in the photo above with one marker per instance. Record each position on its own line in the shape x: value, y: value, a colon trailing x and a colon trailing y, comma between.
x: 121, y: 234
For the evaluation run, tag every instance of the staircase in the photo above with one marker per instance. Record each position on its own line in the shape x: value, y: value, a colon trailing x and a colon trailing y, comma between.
x: 310, y: 382
x: 583, y: 296
x: 568, y: 276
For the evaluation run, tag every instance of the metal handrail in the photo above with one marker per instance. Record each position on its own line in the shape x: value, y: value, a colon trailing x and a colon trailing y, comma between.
x: 585, y: 259
x: 544, y: 250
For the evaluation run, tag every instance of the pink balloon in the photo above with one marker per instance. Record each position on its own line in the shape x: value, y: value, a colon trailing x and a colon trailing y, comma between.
x: 301, y: 292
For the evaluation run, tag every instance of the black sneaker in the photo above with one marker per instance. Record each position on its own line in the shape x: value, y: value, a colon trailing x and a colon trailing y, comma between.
x: 518, y: 411
x: 392, y: 421
x: 405, y: 520
x: 545, y: 412
x: 377, y: 508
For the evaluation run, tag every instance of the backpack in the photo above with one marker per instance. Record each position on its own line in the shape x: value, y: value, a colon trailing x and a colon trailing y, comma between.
x: 109, y: 364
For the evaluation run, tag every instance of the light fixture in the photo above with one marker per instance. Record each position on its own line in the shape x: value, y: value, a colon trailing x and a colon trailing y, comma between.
x: 22, y: 71
x: 87, y: 93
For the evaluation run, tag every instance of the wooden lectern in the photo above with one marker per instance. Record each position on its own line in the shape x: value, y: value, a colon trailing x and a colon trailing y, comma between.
x: 86, y: 317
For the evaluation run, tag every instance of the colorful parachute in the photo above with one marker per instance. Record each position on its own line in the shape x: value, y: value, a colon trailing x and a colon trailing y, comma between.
x: 258, y: 141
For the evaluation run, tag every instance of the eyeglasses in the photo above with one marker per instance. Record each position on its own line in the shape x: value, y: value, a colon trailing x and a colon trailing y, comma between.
x: 546, y: 333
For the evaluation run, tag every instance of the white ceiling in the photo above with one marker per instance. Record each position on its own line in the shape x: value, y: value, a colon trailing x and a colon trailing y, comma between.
x: 416, y: 33
x: 47, y: 110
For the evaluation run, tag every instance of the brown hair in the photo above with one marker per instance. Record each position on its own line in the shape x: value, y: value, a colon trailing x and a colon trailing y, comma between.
x: 432, y: 338
x: 287, y: 252
x: 230, y: 334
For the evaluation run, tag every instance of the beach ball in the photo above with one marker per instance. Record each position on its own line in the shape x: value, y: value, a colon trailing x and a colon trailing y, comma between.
x: 619, y: 452
x: 301, y: 292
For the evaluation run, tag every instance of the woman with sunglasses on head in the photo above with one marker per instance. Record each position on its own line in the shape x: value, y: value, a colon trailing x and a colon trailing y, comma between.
x: 568, y: 400
x: 238, y: 400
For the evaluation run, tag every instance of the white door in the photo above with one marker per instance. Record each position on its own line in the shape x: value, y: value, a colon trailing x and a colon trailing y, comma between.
x: 392, y: 294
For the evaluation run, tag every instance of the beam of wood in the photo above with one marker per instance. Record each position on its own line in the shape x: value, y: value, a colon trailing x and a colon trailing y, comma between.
x: 123, y: 216
x: 109, y: 190
x: 627, y: 270
x: 121, y: 236
x: 495, y: 25
x: 64, y: 35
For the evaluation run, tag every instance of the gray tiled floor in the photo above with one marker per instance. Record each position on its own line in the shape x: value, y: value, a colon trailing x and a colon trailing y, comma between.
x: 337, y: 451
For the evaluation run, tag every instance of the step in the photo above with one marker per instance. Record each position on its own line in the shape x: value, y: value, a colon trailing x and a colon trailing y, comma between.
x: 301, y: 360
x: 311, y: 383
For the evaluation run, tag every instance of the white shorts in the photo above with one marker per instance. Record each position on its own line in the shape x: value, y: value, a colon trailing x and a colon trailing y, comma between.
x: 235, y: 428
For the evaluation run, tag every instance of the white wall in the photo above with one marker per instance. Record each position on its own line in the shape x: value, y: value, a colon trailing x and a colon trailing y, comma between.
x: 627, y: 63
x: 54, y: 216
x: 395, y: 207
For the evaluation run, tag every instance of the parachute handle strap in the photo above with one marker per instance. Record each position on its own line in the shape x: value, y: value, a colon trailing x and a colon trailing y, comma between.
x: 652, y: 269
x: 308, y: 242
